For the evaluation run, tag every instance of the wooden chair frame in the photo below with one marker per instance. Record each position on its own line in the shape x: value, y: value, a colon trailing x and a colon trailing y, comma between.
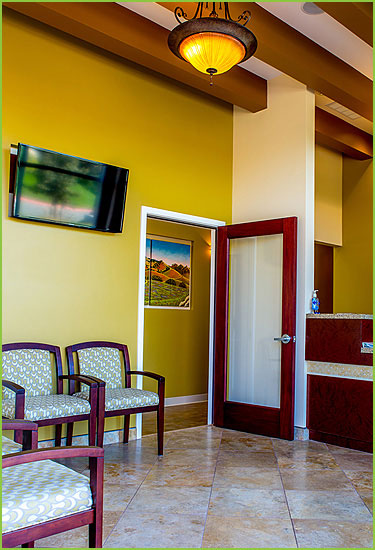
x: 29, y: 429
x: 60, y: 377
x: 102, y: 413
x: 93, y: 517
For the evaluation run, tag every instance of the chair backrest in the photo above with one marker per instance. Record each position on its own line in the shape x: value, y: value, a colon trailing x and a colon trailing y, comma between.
x: 30, y: 365
x: 104, y: 360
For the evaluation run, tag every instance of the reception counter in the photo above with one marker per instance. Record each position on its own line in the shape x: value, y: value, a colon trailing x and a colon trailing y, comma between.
x: 339, y: 379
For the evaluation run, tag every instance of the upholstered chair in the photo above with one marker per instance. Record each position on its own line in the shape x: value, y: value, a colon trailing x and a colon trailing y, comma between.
x: 31, y: 372
x: 41, y: 497
x: 108, y: 364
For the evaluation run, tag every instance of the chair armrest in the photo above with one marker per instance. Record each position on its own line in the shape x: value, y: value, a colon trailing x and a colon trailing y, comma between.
x: 36, y: 455
x: 99, y: 381
x: 89, y: 380
x: 15, y: 424
x: 29, y: 440
x: 149, y: 374
x: 19, y: 390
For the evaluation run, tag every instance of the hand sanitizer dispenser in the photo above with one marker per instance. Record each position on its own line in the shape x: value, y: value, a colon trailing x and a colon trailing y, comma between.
x: 315, y: 302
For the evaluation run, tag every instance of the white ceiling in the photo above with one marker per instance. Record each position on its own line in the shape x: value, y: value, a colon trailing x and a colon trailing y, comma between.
x: 327, y: 32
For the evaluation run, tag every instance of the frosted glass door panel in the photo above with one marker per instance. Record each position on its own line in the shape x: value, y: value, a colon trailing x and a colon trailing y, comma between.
x: 256, y: 273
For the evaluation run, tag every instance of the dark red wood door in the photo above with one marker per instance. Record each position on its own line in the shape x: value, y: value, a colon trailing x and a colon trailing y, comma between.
x: 256, y: 297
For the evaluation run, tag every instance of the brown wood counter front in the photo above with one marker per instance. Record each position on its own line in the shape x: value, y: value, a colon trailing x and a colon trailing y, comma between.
x: 339, y: 411
x: 338, y: 340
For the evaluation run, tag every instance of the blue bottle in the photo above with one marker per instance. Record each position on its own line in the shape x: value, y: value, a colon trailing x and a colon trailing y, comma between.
x: 315, y: 302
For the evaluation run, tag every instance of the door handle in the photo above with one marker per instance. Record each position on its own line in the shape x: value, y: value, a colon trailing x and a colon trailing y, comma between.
x: 285, y: 339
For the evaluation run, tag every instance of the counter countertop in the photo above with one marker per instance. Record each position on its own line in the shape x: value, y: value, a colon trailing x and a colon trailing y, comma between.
x: 339, y: 316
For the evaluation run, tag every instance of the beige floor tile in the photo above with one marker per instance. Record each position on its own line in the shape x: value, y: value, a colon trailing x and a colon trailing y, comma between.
x: 187, y: 476
x: 367, y: 497
x: 247, y: 459
x: 185, y: 457
x: 284, y: 445
x: 79, y: 538
x: 228, y: 532
x: 125, y: 473
x: 193, y: 441
x: 79, y: 464
x: 315, y: 480
x: 157, y: 530
x: 332, y: 534
x: 310, y: 461
x: 345, y: 450
x: 75, y: 538
x: 250, y: 478
x: 256, y: 503
x: 177, y: 417
x: 131, y: 454
x: 245, y: 442
x: 354, y: 461
x: 171, y: 500
x: 362, y: 481
x: 327, y: 505
x: 117, y: 496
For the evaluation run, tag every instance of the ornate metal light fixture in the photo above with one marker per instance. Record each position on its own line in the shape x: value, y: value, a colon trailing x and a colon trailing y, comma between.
x: 212, y: 44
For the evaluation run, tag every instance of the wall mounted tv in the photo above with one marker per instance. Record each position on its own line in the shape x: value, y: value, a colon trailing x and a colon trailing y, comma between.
x: 50, y: 187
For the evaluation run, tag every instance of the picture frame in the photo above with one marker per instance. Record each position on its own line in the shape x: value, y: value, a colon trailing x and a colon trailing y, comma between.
x: 167, y: 273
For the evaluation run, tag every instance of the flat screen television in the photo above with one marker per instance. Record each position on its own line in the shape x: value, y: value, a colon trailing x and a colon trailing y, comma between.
x: 61, y: 189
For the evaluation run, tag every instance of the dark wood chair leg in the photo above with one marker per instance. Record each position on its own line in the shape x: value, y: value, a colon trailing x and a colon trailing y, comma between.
x: 95, y: 535
x: 100, y: 416
x: 28, y: 545
x: 58, y: 435
x: 160, y: 425
x: 126, y: 427
x: 96, y: 484
x: 69, y: 433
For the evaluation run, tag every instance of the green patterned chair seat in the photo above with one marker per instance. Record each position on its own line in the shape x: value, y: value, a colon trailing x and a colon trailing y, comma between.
x: 40, y: 491
x: 40, y: 407
x: 125, y: 398
x: 8, y: 446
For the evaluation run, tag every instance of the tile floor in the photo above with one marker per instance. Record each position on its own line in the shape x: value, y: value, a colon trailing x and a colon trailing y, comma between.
x: 177, y: 417
x: 219, y: 488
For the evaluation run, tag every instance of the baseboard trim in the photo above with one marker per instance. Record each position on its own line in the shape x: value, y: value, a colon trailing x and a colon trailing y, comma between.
x: 185, y: 399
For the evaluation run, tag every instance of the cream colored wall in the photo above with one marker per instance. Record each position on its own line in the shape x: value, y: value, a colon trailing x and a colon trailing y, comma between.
x: 273, y: 177
x: 352, y: 264
x: 63, y: 285
x: 328, y: 196
x: 176, y: 341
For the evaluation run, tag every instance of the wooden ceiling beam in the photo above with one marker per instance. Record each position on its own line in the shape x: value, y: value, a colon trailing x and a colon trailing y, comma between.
x: 122, y: 32
x: 355, y: 16
x: 292, y: 53
x: 335, y: 133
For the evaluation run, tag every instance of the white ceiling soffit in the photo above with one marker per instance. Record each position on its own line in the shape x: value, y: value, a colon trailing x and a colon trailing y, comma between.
x: 165, y: 18
x: 330, y: 106
x: 327, y: 32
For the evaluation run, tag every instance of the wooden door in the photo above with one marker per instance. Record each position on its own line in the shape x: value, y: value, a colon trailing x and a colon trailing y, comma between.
x: 255, y: 327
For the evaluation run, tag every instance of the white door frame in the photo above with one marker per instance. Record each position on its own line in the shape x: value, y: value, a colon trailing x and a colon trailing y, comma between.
x: 168, y: 215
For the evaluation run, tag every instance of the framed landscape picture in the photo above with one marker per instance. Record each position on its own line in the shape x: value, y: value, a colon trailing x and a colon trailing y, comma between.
x: 167, y: 273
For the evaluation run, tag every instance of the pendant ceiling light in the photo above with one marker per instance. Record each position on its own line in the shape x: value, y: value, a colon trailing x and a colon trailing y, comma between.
x: 212, y: 44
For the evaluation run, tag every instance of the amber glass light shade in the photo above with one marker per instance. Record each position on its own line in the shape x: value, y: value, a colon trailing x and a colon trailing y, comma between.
x: 211, y: 50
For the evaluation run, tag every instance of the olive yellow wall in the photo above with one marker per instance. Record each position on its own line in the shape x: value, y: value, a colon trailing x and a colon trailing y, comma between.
x: 328, y: 196
x: 63, y: 285
x: 176, y: 341
x: 352, y: 269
